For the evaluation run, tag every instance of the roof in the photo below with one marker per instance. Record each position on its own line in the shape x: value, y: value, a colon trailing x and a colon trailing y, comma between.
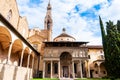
x: 95, y: 46
x: 64, y: 35
x: 67, y: 44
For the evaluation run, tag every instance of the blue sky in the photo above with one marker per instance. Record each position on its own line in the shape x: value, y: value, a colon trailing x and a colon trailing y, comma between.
x: 79, y: 17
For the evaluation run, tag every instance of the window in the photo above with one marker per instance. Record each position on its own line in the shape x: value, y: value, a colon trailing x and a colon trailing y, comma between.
x: 88, y: 56
x: 102, y: 56
x: 96, y: 72
x: 55, y: 68
x: 48, y: 25
x: 48, y: 68
x: 35, y: 46
x: 9, y: 15
x: 95, y: 65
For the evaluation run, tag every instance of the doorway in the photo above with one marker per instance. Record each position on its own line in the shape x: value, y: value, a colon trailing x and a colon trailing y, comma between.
x: 65, y: 71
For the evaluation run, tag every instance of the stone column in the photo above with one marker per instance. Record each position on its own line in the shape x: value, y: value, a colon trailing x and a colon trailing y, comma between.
x: 21, y: 60
x: 28, y: 61
x: 59, y: 69
x: 9, y: 53
x: 88, y: 69
x: 73, y: 69
x: 99, y: 75
x: 51, y: 70
x: 69, y: 70
x: 43, y: 69
x: 99, y: 70
x: 32, y: 65
x: 32, y: 62
x: 28, y: 70
x: 81, y: 73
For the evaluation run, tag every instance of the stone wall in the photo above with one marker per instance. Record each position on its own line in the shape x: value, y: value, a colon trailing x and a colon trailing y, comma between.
x: 10, y: 5
x: 10, y: 72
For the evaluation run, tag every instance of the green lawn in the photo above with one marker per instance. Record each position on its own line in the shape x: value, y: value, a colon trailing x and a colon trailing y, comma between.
x: 92, y: 79
x: 45, y: 79
x: 75, y: 79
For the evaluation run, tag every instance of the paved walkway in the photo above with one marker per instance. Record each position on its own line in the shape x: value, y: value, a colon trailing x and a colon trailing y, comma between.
x: 66, y: 79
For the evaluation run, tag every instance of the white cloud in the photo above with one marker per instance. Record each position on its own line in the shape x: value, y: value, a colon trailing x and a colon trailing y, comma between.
x: 82, y: 28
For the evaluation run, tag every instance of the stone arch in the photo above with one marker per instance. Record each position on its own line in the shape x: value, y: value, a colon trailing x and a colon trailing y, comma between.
x: 5, y: 40
x: 25, y: 57
x: 65, y: 63
x: 65, y: 58
x: 31, y: 59
x: 103, y: 71
x: 5, y: 37
x: 95, y: 65
x: 16, y: 52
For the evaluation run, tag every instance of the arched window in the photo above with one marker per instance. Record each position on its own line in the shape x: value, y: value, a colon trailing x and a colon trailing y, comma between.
x: 95, y: 65
x: 9, y: 15
x: 48, y: 25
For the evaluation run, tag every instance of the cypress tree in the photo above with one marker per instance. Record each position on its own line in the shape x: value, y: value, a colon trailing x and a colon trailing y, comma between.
x: 111, y: 47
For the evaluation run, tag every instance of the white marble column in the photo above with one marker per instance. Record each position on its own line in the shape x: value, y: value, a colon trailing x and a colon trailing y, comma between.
x: 81, y: 73
x: 73, y: 69
x: 59, y: 69
x: 9, y: 53
x: 51, y: 70
x: 21, y: 59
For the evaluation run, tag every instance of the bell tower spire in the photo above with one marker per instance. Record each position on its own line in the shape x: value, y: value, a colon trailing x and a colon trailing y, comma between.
x: 48, y: 20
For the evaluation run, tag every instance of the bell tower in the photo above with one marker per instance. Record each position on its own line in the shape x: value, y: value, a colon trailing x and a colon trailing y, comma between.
x: 48, y: 22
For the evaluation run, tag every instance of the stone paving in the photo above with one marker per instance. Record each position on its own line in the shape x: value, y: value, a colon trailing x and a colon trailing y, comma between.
x: 66, y: 79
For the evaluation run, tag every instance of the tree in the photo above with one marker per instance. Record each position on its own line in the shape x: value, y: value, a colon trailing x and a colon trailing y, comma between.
x: 111, y: 47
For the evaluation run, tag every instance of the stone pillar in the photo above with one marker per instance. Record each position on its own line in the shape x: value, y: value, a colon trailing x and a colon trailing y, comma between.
x: 88, y: 69
x: 99, y: 75
x: 21, y: 60
x: 43, y: 69
x: 99, y: 70
x: 32, y: 65
x: 73, y: 69
x: 59, y: 69
x: 81, y: 73
x: 32, y: 62
x: 28, y: 61
x: 9, y: 53
x: 51, y: 70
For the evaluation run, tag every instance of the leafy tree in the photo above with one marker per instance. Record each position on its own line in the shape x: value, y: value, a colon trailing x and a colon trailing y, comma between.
x: 111, y: 47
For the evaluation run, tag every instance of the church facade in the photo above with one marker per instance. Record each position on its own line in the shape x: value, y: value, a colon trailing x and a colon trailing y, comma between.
x: 26, y: 53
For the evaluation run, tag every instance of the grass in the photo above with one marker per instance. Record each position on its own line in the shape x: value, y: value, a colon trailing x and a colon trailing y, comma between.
x: 44, y: 79
x: 75, y: 79
x: 92, y: 79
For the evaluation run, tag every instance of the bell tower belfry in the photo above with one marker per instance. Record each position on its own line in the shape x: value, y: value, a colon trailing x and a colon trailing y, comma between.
x: 48, y: 22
